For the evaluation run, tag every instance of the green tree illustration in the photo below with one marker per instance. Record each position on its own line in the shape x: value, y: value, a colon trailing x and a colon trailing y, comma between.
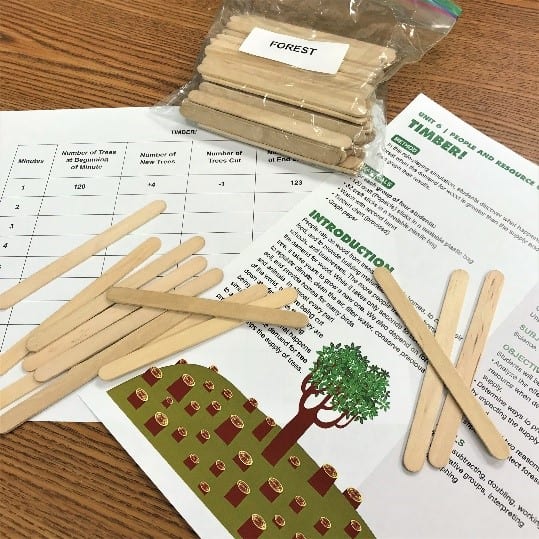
x: 341, y: 381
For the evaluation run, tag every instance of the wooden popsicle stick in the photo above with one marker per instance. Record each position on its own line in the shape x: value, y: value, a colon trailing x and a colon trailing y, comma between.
x: 286, y: 89
x: 350, y: 165
x: 350, y: 81
x: 108, y: 278
x: 167, y: 260
x: 224, y: 127
x: 275, y: 139
x: 195, y: 319
x: 17, y: 389
x: 66, y: 344
x: 462, y: 394
x: 40, y: 338
x: 15, y: 353
x: 120, y: 329
x: 171, y: 322
x: 470, y: 353
x: 46, y: 396
x: 271, y: 119
x: 243, y: 24
x: 300, y: 105
x: 84, y: 251
x: 359, y: 51
x: 82, y: 373
x: 160, y: 327
x: 367, y: 73
x: 312, y: 79
x: 111, y: 276
x: 430, y: 396
x: 189, y: 322
x: 233, y: 33
x: 211, y: 307
x: 181, y: 341
x: 357, y: 132
x: 287, y: 81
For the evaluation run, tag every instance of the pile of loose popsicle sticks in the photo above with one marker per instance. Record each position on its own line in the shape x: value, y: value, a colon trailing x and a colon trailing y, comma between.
x: 69, y: 348
x: 318, y: 118
x: 433, y: 413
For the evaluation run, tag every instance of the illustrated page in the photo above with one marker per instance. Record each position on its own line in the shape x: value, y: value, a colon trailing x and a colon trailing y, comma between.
x: 442, y: 197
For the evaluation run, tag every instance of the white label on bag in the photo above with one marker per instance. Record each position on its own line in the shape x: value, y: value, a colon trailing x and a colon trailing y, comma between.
x: 321, y: 56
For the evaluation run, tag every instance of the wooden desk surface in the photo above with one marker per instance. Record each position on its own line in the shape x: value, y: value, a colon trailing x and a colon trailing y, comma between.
x: 74, y: 480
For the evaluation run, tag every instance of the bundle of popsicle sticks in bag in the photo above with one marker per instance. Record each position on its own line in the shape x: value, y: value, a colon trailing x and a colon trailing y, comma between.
x: 150, y: 309
x: 315, y: 117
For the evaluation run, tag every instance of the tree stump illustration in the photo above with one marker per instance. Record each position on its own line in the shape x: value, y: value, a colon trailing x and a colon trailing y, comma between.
x: 216, y: 447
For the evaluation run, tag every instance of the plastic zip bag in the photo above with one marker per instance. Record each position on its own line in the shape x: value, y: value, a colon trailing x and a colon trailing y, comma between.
x: 306, y: 79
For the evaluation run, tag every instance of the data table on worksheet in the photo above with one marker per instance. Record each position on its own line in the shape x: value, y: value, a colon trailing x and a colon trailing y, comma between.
x: 58, y: 190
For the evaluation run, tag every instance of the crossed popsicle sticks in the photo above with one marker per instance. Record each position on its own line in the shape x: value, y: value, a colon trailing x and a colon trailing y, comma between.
x: 441, y: 372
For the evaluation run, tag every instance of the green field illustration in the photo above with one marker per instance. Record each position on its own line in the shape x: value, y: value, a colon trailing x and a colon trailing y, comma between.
x: 249, y: 472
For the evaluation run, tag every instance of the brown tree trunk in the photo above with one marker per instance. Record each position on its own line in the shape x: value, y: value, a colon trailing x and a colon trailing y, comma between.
x: 289, y: 435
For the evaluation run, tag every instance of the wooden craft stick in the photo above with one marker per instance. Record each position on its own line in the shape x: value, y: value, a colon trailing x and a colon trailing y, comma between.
x: 17, y: 389
x: 108, y: 278
x: 470, y: 353
x: 308, y: 106
x: 82, y: 373
x: 171, y: 322
x: 287, y: 82
x: 342, y: 103
x: 189, y: 322
x: 271, y: 119
x: 65, y: 344
x: 222, y: 127
x: 430, y: 395
x: 222, y: 49
x: 41, y: 338
x: 211, y: 307
x: 350, y: 165
x: 111, y: 276
x: 79, y: 254
x: 462, y: 394
x: 175, y: 322
x: 153, y: 330
x: 360, y: 51
x: 181, y: 341
x: 195, y: 319
x: 233, y: 33
x: 15, y: 353
x: 275, y: 139
x: 369, y: 74
x: 357, y: 132
x: 45, y: 397
x: 119, y: 329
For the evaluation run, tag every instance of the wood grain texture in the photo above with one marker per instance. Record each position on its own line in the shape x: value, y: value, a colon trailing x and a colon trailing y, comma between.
x: 467, y: 362
x: 19, y: 351
x: 471, y: 407
x: 207, y: 306
x: 431, y: 392
x: 74, y: 480
x: 79, y: 254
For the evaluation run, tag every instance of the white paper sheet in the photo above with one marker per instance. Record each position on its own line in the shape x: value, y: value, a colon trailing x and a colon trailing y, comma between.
x: 69, y: 174
x: 448, y: 197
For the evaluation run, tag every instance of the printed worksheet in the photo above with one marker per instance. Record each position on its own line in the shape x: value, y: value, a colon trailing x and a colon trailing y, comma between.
x: 441, y: 197
x: 66, y: 175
